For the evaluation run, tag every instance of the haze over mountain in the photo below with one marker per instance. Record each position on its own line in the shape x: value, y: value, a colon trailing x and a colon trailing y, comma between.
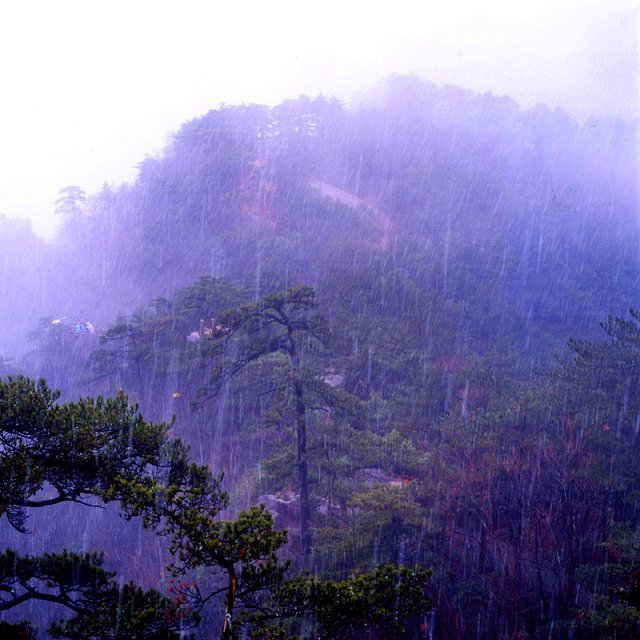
x: 381, y: 295
x: 79, y: 110
x: 525, y: 200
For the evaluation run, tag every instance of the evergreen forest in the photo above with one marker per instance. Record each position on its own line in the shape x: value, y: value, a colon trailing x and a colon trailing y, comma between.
x: 363, y: 372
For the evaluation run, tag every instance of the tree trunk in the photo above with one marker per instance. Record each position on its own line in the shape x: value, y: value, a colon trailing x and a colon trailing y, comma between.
x: 227, y: 631
x: 303, y: 475
x: 303, y: 465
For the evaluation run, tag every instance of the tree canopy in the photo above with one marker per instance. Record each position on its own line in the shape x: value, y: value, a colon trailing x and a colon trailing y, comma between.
x: 96, y: 451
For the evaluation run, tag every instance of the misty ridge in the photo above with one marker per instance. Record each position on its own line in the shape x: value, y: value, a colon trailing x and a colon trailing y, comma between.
x: 436, y: 267
x: 468, y: 186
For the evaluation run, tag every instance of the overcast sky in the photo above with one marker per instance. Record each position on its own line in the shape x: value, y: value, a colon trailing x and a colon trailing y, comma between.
x: 89, y: 88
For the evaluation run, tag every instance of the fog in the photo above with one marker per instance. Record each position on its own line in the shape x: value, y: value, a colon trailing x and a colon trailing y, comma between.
x: 91, y: 89
x: 374, y: 269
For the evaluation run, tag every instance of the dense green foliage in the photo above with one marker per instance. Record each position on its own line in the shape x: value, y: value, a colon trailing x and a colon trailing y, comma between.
x: 361, y: 317
x: 99, y: 451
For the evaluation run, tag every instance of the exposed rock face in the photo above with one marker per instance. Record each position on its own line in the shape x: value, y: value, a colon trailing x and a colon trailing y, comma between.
x: 285, y: 509
x: 376, y: 476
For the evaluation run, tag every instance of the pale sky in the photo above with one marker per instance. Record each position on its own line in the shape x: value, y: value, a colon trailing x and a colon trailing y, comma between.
x: 89, y: 88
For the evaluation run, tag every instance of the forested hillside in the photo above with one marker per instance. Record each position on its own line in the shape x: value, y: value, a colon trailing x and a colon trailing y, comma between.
x: 383, y: 323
